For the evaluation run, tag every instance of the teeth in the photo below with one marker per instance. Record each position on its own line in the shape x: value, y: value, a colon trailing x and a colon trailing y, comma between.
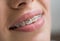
x: 17, y: 25
x: 20, y: 24
x: 29, y: 21
x: 35, y: 18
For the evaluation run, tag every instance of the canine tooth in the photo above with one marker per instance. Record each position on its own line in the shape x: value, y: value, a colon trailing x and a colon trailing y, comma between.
x: 22, y: 24
x: 29, y: 21
x: 17, y: 25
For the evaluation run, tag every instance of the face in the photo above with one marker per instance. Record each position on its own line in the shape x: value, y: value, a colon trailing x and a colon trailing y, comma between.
x: 24, y: 20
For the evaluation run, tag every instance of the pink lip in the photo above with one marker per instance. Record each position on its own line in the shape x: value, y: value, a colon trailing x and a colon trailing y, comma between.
x: 32, y: 27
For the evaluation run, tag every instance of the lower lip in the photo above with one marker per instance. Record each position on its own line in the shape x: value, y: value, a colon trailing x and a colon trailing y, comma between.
x: 32, y: 27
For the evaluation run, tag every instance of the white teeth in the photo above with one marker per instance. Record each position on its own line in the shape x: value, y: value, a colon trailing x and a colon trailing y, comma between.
x: 17, y: 25
x: 29, y: 21
x: 22, y: 23
x: 35, y: 18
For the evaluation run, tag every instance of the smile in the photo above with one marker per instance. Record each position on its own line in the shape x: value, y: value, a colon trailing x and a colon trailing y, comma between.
x: 29, y: 22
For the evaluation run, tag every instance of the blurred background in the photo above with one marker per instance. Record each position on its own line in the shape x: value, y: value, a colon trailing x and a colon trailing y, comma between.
x: 55, y: 12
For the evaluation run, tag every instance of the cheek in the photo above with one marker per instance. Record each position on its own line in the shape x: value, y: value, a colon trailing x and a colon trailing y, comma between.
x: 45, y: 3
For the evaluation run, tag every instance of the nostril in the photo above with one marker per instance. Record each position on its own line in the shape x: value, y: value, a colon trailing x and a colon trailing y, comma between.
x: 17, y: 5
x: 23, y: 3
x: 20, y: 5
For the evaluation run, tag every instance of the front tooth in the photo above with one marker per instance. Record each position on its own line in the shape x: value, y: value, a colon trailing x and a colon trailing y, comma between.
x: 34, y: 18
x: 29, y: 21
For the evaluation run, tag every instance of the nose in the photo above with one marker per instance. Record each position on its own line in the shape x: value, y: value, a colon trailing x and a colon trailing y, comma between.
x: 18, y: 3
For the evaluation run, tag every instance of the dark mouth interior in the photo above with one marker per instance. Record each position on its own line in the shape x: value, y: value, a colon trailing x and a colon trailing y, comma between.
x: 13, y: 28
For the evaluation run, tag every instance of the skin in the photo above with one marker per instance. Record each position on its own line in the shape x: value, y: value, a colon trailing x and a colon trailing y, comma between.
x: 9, y: 12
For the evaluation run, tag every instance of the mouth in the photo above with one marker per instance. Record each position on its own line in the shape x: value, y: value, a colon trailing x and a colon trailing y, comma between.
x: 29, y: 22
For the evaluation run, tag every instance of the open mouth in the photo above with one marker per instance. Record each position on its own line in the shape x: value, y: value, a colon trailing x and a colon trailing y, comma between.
x: 29, y: 22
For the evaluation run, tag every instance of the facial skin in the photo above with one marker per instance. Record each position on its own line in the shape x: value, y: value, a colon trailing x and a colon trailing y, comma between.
x: 10, y: 10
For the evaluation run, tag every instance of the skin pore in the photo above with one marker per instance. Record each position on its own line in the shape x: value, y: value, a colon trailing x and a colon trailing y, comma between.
x: 10, y: 10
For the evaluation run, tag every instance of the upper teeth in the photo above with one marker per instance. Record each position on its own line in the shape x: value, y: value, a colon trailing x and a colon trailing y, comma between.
x: 28, y: 21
